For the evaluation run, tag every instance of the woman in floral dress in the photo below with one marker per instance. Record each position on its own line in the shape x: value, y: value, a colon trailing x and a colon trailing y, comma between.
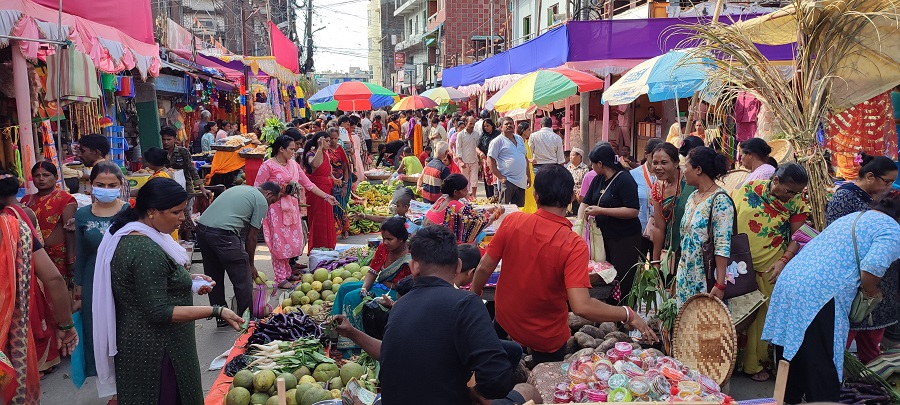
x: 282, y: 226
x: 708, y: 203
x: 769, y: 212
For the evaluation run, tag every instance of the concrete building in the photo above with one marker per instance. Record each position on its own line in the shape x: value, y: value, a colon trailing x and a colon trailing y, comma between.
x: 353, y: 74
x: 375, y: 42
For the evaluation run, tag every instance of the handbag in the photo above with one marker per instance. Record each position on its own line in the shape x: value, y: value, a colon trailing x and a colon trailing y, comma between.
x: 592, y: 233
x: 863, y: 306
x: 740, y: 262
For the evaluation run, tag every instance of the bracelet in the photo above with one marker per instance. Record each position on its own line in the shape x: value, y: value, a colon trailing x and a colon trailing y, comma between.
x: 216, y: 312
x: 656, y: 262
x: 720, y: 286
x: 788, y: 252
x: 66, y: 327
x: 784, y: 259
x: 627, y: 315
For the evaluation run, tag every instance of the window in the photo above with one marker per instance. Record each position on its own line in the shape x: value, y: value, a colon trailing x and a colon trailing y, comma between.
x: 526, y: 28
x: 409, y: 28
x: 480, y: 47
x: 551, y: 11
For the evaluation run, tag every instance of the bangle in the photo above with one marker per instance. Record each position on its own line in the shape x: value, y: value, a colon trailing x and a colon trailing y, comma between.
x: 720, y: 286
x: 216, y: 312
x: 66, y: 327
x: 627, y: 315
x: 655, y: 262
x: 784, y: 259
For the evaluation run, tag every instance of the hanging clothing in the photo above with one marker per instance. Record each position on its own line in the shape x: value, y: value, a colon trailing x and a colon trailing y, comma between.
x: 414, y: 135
x: 283, y: 224
x: 746, y: 109
x: 866, y: 127
x: 321, y: 213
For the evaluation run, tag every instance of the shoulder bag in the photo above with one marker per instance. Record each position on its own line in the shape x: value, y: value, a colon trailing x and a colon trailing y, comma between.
x: 863, y: 306
x: 592, y: 233
x: 744, y: 277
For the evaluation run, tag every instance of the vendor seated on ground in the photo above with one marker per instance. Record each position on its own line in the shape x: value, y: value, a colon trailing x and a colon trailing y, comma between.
x: 409, y: 164
x: 388, y: 153
x: 399, y: 205
x: 451, y: 328
x: 389, y: 265
x: 453, y: 196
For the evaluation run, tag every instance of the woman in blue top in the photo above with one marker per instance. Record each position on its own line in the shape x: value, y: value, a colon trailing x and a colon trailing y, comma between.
x: 91, y: 223
x: 876, y: 173
x: 810, y: 306
x: 209, y: 137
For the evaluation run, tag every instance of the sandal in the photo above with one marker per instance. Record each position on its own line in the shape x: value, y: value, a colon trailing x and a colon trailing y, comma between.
x: 293, y: 277
x: 761, y: 376
x: 287, y: 285
x: 44, y: 374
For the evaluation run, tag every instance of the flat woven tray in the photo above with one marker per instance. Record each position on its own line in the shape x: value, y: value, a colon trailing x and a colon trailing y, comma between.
x: 252, y: 155
x: 378, y: 176
x: 545, y: 377
x: 733, y: 179
x: 224, y: 148
x: 782, y: 151
x: 704, y: 337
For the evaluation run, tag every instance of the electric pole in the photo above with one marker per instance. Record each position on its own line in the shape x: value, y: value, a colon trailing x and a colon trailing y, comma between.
x: 308, y: 66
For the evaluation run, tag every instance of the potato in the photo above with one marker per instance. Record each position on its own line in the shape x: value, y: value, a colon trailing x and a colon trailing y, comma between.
x: 607, y: 328
x: 576, y: 322
x: 591, y: 330
x: 607, y: 344
x: 586, y: 352
x: 584, y: 340
x: 619, y: 336
x: 571, y: 345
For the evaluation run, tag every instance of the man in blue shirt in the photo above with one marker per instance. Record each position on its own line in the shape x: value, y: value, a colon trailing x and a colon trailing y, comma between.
x: 449, y: 327
x: 507, y: 159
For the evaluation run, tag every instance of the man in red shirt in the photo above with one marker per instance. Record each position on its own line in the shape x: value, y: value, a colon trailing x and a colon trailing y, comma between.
x: 545, y: 267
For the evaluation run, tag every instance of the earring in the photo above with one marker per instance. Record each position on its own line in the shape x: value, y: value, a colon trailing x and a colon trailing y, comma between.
x: 151, y: 216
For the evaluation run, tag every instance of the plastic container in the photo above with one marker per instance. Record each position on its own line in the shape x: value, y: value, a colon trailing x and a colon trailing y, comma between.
x: 618, y: 381
x: 659, y: 387
x: 619, y: 395
x: 708, y: 385
x: 117, y: 142
x: 603, y: 370
x: 562, y: 397
x: 114, y: 131
x: 639, y: 386
x: 596, y: 395
x: 614, y: 355
x: 623, y: 348
x: 688, y: 386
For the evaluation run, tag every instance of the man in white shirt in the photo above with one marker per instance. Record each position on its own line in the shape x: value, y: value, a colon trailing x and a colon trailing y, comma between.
x: 436, y: 133
x: 467, y: 154
x: 346, y: 125
x: 546, y: 146
x: 509, y: 165
x: 365, y: 125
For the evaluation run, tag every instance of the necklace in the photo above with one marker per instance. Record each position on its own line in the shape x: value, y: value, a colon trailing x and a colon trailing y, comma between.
x: 278, y: 159
x: 700, y: 196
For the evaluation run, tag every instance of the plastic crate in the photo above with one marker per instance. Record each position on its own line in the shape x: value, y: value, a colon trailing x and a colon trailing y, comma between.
x: 119, y: 162
x: 117, y: 142
x: 115, y: 131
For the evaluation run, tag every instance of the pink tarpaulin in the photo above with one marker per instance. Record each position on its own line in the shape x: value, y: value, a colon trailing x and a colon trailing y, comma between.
x: 132, y: 17
x: 284, y: 50
x: 110, y: 49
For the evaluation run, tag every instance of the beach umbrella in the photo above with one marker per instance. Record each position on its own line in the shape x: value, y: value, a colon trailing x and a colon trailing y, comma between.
x: 353, y: 96
x: 414, y: 103
x: 444, y: 95
x: 671, y: 75
x: 544, y: 87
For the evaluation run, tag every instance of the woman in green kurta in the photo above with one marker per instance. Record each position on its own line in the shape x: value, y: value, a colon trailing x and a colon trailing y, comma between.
x: 91, y: 223
x: 150, y: 290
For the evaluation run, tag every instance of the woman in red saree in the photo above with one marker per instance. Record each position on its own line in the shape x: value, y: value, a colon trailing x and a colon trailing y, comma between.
x: 54, y: 208
x: 24, y: 262
x: 321, y: 215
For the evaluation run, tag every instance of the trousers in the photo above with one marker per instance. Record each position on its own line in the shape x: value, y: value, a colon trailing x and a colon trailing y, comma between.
x: 813, y: 374
x: 223, y: 253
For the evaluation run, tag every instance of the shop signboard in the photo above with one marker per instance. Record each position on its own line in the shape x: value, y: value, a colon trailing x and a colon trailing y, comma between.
x: 399, y: 60
x: 170, y: 84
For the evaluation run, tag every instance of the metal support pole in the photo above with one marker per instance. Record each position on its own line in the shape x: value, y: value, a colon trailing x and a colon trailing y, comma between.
x: 585, y: 105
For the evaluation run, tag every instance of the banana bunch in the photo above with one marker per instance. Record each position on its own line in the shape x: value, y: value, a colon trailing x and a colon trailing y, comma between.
x: 360, y: 226
x: 377, y: 194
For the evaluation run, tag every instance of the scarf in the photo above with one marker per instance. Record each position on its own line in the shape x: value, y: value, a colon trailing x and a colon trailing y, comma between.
x: 104, y: 305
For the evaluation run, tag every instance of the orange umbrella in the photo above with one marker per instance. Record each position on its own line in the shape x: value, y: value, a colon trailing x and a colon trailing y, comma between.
x: 414, y: 103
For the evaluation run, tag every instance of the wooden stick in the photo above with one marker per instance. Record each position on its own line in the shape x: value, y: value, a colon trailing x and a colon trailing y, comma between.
x: 781, y: 381
x: 282, y: 397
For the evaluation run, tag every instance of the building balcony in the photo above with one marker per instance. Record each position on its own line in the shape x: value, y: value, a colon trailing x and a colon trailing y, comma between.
x: 409, y: 42
x: 435, y: 20
x: 403, y: 7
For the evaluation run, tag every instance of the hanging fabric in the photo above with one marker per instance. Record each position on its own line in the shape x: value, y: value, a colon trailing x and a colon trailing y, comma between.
x: 76, y: 76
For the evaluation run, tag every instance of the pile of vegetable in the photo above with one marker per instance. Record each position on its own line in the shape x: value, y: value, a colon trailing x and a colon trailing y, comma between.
x: 285, y: 327
x: 281, y: 356
x: 863, y: 386
x: 317, y: 290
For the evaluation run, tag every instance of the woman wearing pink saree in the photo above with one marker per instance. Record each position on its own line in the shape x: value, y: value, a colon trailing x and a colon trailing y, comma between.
x: 282, y: 226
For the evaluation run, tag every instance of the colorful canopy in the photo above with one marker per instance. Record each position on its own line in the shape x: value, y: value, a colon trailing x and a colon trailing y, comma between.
x: 544, y: 87
x: 674, y: 74
x: 354, y: 96
x: 444, y: 95
x: 414, y: 103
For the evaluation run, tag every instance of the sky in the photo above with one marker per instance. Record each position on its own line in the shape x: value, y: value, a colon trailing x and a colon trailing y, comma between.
x: 341, y: 37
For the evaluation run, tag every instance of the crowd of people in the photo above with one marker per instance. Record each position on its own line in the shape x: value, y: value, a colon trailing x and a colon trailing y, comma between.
x: 119, y: 265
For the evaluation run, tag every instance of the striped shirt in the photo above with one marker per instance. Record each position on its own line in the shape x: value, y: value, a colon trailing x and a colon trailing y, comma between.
x: 432, y: 179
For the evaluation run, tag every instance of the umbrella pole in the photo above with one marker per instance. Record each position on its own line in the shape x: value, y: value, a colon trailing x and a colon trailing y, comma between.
x: 568, y: 124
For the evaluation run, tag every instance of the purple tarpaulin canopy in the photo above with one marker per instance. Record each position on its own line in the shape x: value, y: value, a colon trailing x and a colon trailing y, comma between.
x: 585, y: 41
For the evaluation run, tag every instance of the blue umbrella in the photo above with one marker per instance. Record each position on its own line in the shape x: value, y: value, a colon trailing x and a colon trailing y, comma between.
x: 672, y: 75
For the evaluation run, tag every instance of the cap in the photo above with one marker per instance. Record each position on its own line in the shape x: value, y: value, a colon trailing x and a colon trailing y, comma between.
x: 579, y: 151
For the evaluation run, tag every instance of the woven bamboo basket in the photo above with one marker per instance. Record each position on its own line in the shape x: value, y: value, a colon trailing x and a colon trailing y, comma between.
x: 782, y: 151
x: 704, y: 337
x: 733, y: 179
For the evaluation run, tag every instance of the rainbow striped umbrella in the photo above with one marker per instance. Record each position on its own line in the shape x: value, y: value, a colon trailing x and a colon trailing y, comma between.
x: 414, y: 103
x: 352, y: 96
x: 444, y: 95
x: 544, y: 87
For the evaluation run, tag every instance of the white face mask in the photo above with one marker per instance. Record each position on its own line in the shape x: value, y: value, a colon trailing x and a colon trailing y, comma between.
x: 106, y: 195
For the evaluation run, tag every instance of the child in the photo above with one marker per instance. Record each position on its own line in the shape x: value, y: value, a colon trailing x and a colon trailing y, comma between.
x: 469, y: 255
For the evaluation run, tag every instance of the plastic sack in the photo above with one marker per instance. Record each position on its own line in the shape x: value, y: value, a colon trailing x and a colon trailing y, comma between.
x: 317, y: 256
x: 259, y: 306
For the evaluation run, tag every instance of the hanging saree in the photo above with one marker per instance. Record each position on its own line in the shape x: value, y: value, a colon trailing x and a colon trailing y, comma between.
x: 49, y: 211
x: 16, y: 340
